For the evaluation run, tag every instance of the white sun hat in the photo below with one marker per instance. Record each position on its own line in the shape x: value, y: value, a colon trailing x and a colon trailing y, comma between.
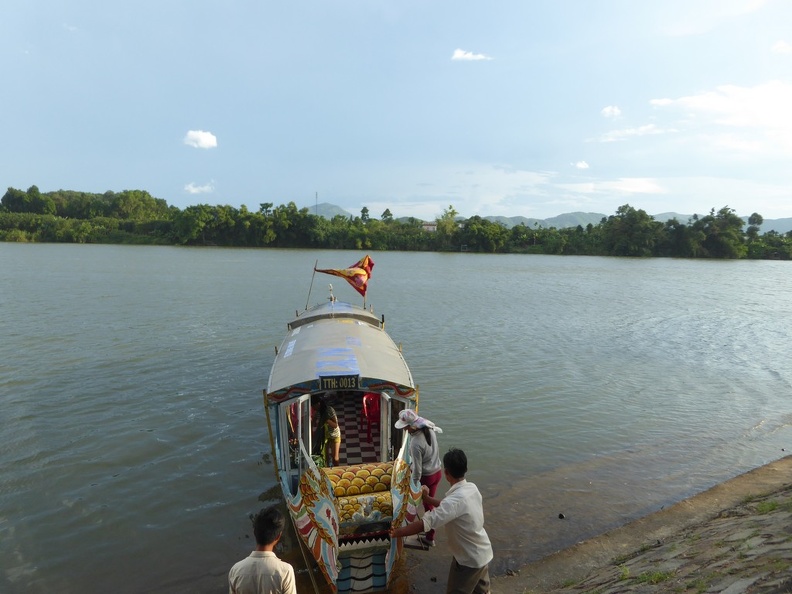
x: 409, y: 418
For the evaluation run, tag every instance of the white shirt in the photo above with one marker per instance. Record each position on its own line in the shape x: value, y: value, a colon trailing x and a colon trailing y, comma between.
x: 462, y: 513
x: 261, y: 573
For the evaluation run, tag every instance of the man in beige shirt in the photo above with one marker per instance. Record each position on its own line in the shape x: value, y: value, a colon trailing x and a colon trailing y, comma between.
x: 262, y: 572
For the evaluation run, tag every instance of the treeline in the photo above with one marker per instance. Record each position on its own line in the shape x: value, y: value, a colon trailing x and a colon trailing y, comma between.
x: 134, y: 216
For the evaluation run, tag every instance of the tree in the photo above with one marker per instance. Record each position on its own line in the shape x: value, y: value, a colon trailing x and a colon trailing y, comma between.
x: 722, y: 231
x: 387, y: 217
x: 191, y: 223
x: 14, y: 200
x: 138, y: 205
x: 481, y: 235
x: 680, y: 240
x: 631, y: 232
x: 261, y: 231
x: 31, y: 201
x: 520, y: 238
x: 754, y: 222
x: 364, y: 214
x: 447, y: 230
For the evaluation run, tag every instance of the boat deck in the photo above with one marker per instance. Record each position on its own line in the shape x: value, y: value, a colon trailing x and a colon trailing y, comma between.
x: 355, y: 448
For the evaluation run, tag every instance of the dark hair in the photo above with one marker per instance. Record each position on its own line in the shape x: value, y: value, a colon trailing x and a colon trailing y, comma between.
x: 320, y: 401
x: 455, y: 462
x: 268, y: 525
x: 427, y: 434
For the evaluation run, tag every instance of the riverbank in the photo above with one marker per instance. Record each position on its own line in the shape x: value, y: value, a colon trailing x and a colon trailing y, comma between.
x: 734, y: 537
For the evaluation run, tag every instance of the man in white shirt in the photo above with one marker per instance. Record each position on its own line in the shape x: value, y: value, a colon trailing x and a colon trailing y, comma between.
x: 262, y: 572
x: 462, y: 513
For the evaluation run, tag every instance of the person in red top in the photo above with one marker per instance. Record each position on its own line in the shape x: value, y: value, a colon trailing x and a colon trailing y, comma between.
x: 425, y: 464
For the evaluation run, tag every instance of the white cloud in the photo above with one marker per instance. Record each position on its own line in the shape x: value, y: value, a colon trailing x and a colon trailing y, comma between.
x: 735, y: 143
x: 192, y: 188
x: 468, y: 56
x: 759, y: 113
x: 632, y: 185
x: 611, y: 111
x: 200, y: 139
x: 745, y: 196
x: 624, y: 134
x: 782, y: 47
x: 623, y: 185
x: 473, y: 188
x: 582, y: 165
x: 703, y: 16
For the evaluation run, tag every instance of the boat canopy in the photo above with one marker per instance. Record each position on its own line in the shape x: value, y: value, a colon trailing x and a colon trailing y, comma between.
x: 362, y: 356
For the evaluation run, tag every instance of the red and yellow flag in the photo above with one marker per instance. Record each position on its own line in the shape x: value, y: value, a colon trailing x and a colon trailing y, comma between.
x: 356, y: 275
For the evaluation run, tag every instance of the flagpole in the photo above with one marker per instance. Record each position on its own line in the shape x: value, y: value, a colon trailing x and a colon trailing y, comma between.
x: 311, y: 286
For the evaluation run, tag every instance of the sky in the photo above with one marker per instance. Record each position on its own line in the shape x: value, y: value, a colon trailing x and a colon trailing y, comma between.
x: 527, y: 108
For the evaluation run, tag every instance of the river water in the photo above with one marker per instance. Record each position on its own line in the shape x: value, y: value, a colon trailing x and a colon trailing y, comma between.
x: 134, y: 440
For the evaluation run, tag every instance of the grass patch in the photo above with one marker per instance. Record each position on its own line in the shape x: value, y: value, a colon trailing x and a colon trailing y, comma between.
x: 699, y: 585
x: 765, y: 507
x: 624, y: 573
x: 780, y: 565
x: 654, y: 577
x: 622, y: 559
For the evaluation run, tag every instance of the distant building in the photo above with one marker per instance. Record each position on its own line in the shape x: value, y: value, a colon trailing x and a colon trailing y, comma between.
x: 431, y: 227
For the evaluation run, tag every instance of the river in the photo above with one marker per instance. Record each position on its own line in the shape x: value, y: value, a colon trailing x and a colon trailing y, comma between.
x: 134, y: 435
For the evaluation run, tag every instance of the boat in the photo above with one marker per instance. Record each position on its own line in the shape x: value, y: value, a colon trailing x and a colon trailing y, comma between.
x: 340, y: 353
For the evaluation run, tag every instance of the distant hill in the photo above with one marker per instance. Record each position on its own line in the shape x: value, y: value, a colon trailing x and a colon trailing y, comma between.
x: 328, y: 211
x: 573, y: 219
x: 510, y: 222
x: 778, y: 225
x: 569, y: 219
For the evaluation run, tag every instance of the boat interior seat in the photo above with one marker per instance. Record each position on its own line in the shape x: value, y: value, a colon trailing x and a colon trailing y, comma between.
x: 370, y: 413
x: 362, y: 496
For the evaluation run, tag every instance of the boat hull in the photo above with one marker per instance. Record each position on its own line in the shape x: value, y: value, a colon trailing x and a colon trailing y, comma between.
x: 341, y: 356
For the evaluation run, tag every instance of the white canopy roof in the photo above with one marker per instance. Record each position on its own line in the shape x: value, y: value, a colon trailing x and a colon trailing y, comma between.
x: 333, y: 345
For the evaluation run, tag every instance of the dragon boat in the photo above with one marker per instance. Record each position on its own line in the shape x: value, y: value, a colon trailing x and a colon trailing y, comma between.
x: 342, y: 514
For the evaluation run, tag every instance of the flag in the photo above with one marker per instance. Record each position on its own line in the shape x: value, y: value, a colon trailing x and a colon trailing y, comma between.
x: 356, y: 275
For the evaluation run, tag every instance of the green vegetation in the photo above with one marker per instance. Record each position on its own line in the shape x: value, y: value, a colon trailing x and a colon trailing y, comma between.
x: 765, y: 507
x: 624, y: 572
x: 134, y: 216
x: 700, y: 584
x: 654, y: 577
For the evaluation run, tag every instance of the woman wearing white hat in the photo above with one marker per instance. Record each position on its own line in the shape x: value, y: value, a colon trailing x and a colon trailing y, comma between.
x: 424, y: 457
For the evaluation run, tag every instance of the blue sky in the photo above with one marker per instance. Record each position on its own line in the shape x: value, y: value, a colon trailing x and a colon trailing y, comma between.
x: 510, y: 107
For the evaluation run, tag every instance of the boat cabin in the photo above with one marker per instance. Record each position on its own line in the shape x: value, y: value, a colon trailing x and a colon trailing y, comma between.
x: 338, y: 362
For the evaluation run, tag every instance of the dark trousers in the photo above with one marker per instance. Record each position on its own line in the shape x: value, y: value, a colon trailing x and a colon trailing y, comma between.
x: 468, y: 580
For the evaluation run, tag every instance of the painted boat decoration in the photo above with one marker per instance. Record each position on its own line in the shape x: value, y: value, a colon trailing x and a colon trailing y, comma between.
x: 339, y: 353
